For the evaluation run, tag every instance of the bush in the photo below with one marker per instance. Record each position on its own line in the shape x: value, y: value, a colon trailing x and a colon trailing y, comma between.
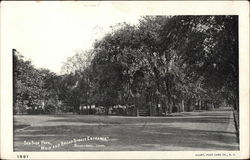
x: 50, y: 109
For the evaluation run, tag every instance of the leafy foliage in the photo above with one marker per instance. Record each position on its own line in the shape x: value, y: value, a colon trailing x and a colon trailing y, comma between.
x: 32, y: 87
x: 167, y: 60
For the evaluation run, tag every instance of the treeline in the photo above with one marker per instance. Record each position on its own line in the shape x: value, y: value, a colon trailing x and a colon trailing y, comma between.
x: 33, y: 88
x: 163, y: 63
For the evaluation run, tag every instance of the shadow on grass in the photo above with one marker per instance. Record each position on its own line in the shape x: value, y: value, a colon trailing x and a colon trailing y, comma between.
x: 18, y: 125
x: 134, y: 138
x: 144, y: 120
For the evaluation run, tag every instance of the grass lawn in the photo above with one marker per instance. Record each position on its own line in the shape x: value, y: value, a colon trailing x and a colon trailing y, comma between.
x: 212, y: 130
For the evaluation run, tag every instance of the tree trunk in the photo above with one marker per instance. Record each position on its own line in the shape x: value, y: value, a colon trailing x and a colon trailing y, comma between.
x: 183, y: 105
x: 170, y: 107
x: 236, y: 104
x: 199, y: 104
x: 90, y: 109
x: 164, y: 106
x: 212, y: 106
x: 76, y: 108
x: 189, y: 105
x: 192, y: 104
x: 157, y: 108
x: 137, y: 111
x: 107, y: 110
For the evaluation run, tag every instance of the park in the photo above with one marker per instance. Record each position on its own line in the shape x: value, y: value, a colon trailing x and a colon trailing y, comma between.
x: 167, y: 83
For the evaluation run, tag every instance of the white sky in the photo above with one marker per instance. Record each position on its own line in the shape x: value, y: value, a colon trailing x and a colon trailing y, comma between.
x: 50, y: 32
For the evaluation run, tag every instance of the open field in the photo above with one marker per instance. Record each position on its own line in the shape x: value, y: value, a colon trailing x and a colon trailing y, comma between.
x: 210, y: 130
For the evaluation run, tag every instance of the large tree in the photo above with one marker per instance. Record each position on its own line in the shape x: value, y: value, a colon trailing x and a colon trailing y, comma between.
x: 32, y: 87
x: 167, y: 60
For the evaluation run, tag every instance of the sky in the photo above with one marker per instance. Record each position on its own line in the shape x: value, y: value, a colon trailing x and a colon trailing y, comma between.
x: 48, y: 33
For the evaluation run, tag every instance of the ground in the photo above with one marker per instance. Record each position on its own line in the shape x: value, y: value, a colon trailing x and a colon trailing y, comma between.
x: 190, y: 131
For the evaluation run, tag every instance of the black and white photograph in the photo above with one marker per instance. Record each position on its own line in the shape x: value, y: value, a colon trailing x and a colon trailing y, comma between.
x: 100, y: 79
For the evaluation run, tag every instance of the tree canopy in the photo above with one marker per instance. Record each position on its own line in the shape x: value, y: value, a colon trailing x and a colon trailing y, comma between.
x: 166, y: 60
